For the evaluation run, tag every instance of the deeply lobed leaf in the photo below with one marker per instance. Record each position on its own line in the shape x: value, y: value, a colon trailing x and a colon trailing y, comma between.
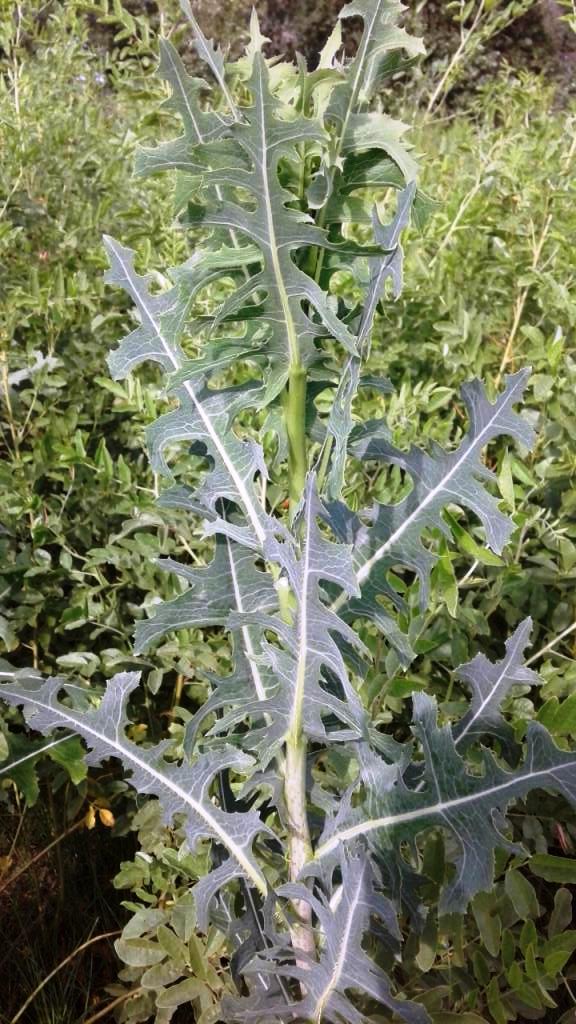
x: 394, y: 534
x: 470, y: 807
x: 343, y: 964
x: 181, y: 789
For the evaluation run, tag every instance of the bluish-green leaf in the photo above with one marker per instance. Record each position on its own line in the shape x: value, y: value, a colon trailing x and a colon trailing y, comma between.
x: 181, y: 789
x: 471, y: 807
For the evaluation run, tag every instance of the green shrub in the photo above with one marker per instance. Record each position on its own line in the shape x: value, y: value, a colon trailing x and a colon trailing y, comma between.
x: 72, y: 463
x: 468, y: 281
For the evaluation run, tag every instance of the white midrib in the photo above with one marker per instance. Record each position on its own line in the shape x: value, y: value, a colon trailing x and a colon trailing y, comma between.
x: 509, y: 658
x: 293, y: 349
x: 360, y: 58
x: 338, y: 966
x: 368, y: 314
x: 364, y: 327
x: 184, y: 96
x: 34, y: 753
x: 372, y: 824
x: 367, y: 318
x: 126, y: 754
x: 249, y: 648
x: 258, y: 684
x: 196, y: 126
x: 202, y: 42
x: 366, y: 569
x: 235, y: 476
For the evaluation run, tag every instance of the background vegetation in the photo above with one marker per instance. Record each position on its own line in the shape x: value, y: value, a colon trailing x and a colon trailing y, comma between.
x: 489, y: 286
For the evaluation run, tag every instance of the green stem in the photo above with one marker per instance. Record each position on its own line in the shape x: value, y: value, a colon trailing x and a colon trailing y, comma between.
x: 295, y: 415
x: 299, y: 840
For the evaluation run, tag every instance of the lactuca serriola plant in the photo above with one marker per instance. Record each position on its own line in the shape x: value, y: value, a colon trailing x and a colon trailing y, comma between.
x: 312, y: 811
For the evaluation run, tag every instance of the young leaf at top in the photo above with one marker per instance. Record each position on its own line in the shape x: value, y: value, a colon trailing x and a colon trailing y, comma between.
x: 267, y: 134
x: 380, y: 53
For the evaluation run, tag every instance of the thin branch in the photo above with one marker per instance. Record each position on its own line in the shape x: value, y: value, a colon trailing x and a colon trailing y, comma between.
x: 42, y: 853
x: 461, y: 211
x: 111, y: 1006
x: 548, y: 647
x: 521, y: 301
x: 61, y: 965
x: 456, y: 58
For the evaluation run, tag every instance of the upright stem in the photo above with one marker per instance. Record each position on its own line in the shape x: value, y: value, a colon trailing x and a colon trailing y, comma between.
x: 295, y: 414
x: 299, y: 841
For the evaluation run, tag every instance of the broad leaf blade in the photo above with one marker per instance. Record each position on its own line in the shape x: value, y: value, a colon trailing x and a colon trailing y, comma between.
x: 489, y: 683
x: 211, y: 54
x: 199, y: 125
x: 382, y: 268
x: 394, y: 536
x: 379, y: 54
x: 312, y: 678
x: 231, y: 585
x: 343, y: 965
x: 381, y: 47
x: 181, y: 789
x: 269, y: 132
x: 230, y: 582
x: 471, y: 808
x: 362, y: 175
x: 204, y: 415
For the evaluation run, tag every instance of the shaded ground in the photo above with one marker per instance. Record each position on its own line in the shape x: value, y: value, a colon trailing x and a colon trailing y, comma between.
x: 534, y: 41
x: 59, y: 902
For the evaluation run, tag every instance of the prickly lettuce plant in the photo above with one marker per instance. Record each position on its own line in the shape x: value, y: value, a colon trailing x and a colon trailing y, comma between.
x: 306, y: 815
